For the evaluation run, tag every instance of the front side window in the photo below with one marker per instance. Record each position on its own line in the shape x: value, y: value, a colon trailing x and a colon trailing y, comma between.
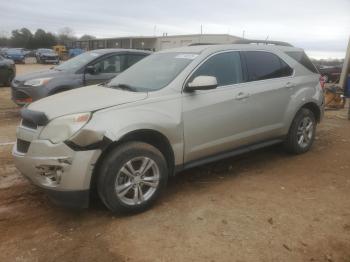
x: 264, y: 65
x: 226, y: 67
x: 111, y: 64
x: 78, y: 62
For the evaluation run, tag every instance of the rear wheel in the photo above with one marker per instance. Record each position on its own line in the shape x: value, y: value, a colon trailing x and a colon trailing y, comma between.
x: 131, y: 177
x: 302, y: 132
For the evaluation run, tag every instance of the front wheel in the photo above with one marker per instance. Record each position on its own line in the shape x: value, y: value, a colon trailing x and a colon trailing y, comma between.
x: 131, y: 177
x: 302, y: 132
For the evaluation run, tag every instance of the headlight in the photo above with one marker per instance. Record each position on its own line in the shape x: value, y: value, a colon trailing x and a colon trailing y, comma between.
x: 37, y: 81
x: 62, y: 128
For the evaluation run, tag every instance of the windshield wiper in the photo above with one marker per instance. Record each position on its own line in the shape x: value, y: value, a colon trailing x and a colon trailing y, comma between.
x: 105, y: 83
x: 123, y: 87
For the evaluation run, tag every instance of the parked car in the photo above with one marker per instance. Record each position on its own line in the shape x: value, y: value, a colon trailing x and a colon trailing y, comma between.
x: 75, y: 51
x: 44, y: 55
x: 331, y: 74
x: 15, y: 54
x: 174, y: 110
x: 3, y: 51
x: 7, y: 71
x: 89, y: 68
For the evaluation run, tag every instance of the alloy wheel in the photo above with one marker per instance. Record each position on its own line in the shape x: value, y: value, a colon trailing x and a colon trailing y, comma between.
x: 137, y: 180
x: 305, y: 132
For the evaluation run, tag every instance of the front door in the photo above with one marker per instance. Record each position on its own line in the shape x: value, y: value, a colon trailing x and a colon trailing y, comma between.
x: 215, y: 119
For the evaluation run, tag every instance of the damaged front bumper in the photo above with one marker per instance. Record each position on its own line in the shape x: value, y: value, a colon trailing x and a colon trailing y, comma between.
x: 63, y: 172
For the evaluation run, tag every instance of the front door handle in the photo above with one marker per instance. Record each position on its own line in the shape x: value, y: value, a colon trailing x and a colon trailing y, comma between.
x: 242, y: 95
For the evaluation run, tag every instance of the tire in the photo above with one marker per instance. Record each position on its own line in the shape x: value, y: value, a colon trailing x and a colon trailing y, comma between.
x: 115, y: 172
x: 302, y: 132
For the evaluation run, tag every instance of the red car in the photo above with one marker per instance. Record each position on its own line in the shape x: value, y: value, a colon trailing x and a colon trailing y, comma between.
x: 331, y: 74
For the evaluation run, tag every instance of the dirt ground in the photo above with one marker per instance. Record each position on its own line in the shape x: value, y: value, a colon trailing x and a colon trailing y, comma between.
x: 262, y: 206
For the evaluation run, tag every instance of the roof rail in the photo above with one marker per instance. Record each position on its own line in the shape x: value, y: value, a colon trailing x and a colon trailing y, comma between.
x: 266, y: 42
x: 195, y: 44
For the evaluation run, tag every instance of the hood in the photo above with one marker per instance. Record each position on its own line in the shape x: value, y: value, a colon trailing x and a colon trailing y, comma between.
x: 40, y: 74
x: 84, y: 99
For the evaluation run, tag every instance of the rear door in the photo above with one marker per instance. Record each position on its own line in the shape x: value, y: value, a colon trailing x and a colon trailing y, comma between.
x: 270, y: 87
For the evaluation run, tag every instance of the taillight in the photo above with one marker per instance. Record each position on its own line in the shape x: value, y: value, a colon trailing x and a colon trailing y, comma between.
x: 322, y: 82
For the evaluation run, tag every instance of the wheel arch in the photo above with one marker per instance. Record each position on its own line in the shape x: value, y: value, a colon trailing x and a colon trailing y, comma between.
x: 149, y: 136
x: 314, y: 108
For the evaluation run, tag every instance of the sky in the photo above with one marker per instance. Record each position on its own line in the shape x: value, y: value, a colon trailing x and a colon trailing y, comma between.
x: 321, y: 27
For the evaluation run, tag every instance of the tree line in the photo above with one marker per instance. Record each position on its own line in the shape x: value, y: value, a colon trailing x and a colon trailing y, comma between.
x: 24, y: 38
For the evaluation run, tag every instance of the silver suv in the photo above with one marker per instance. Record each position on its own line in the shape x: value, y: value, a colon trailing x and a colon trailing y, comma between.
x: 174, y: 110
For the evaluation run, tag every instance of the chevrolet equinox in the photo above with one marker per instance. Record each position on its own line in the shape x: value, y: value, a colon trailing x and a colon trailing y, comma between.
x: 173, y: 110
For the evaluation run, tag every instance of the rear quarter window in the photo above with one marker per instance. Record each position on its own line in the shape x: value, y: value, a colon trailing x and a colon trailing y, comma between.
x: 263, y: 65
x: 134, y: 58
x: 302, y: 58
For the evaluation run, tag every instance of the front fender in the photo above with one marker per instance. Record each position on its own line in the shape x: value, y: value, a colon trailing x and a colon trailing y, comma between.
x: 114, y: 123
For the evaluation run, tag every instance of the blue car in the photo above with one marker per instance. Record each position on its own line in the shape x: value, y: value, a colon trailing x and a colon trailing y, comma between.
x: 17, y: 55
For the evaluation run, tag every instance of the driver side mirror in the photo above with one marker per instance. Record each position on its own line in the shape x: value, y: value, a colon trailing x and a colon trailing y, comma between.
x: 202, y: 83
x: 90, y: 70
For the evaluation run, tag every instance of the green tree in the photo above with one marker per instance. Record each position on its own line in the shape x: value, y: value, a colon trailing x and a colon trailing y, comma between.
x: 43, y: 40
x: 21, y: 38
x: 87, y: 37
x: 66, y: 34
x: 4, y: 41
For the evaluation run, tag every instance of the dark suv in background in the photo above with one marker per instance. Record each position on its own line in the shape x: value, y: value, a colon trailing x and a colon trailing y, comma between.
x: 7, y: 71
x: 89, y: 68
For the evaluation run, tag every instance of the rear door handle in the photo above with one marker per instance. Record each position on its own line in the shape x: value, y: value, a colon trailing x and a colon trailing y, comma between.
x: 290, y: 84
x: 242, y: 95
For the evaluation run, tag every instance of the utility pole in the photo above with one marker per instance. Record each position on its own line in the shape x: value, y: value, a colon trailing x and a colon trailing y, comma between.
x: 345, y: 73
x: 243, y: 34
x: 201, y: 29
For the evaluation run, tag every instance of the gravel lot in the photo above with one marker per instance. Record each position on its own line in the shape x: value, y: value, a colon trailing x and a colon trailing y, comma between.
x: 262, y: 206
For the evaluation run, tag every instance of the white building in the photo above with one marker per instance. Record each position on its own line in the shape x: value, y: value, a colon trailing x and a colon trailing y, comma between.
x: 154, y: 43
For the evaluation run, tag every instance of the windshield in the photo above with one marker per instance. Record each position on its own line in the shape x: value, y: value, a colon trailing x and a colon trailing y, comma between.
x: 153, y: 72
x: 78, y: 61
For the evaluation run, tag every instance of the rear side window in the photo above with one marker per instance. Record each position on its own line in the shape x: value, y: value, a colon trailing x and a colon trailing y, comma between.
x: 132, y: 59
x: 264, y: 65
x: 302, y: 58
x: 226, y: 67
